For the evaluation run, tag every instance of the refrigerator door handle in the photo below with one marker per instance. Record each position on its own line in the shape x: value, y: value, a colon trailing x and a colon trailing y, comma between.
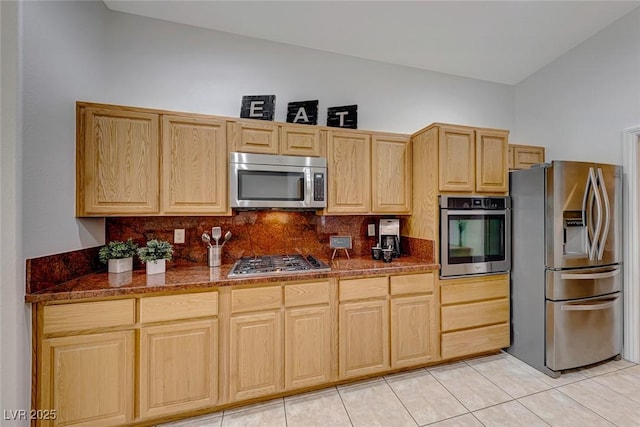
x: 607, y: 213
x: 590, y: 276
x: 591, y: 195
x: 590, y: 307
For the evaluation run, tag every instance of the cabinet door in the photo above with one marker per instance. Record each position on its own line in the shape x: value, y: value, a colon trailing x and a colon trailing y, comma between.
x: 457, y: 167
x: 413, y: 334
x: 88, y: 379
x: 307, y: 346
x: 492, y: 171
x: 349, y: 172
x: 194, y: 166
x: 391, y: 174
x: 178, y: 365
x: 120, y: 160
x: 364, y: 338
x: 256, y: 355
x: 526, y: 156
x: 252, y: 137
x: 300, y: 141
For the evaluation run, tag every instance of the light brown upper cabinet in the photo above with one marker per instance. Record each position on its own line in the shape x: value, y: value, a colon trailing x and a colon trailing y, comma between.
x: 368, y: 173
x: 194, y: 166
x: 349, y: 172
x: 391, y: 174
x: 524, y: 156
x: 300, y: 140
x: 472, y: 160
x: 134, y: 161
x: 253, y: 136
x: 118, y: 160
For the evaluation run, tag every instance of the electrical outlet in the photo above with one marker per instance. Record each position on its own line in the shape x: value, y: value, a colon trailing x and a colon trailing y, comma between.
x: 178, y: 235
x: 371, y: 230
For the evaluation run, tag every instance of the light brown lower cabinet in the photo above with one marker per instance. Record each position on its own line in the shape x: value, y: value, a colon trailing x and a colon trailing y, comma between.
x: 87, y: 380
x: 364, y: 338
x: 307, y: 347
x: 412, y: 334
x: 474, y: 315
x: 150, y: 358
x: 255, y: 355
x: 178, y: 367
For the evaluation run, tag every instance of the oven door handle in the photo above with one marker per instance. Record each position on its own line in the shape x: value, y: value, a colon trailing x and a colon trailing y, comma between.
x: 475, y: 211
x: 589, y: 276
x: 590, y: 307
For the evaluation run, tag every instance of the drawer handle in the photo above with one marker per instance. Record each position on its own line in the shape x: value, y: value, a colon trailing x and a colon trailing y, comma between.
x: 589, y: 276
x: 589, y: 307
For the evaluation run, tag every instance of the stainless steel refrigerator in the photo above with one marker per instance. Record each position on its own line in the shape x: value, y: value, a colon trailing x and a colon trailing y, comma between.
x: 566, y: 275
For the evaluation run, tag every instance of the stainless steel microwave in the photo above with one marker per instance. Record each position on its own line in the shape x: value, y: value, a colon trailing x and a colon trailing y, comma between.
x: 266, y: 181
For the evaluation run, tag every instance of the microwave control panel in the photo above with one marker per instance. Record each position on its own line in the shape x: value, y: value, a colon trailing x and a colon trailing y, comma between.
x: 318, y: 187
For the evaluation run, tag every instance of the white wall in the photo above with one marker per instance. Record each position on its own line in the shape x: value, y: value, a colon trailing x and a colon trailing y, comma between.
x: 578, y: 105
x: 82, y: 51
x: 15, y: 341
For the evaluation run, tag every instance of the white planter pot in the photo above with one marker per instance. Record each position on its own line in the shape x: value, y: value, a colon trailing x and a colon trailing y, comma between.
x: 157, y: 266
x: 120, y: 265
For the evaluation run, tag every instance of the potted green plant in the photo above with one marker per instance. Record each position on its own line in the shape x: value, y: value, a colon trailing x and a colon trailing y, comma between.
x: 118, y: 255
x: 155, y: 255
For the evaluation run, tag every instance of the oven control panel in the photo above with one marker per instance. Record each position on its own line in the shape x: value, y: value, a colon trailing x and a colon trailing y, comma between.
x: 464, y: 202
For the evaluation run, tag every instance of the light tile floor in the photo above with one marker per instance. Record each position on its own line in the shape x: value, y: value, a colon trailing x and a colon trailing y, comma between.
x: 495, y: 390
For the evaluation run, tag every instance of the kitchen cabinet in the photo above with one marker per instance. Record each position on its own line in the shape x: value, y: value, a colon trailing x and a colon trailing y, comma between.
x: 391, y: 174
x: 413, y: 321
x: 134, y: 161
x: 254, y: 136
x: 349, y: 172
x: 524, y: 156
x: 256, y: 334
x: 86, y: 369
x: 118, y: 160
x: 363, y: 326
x: 178, y: 356
x: 471, y: 159
x: 474, y: 315
x: 368, y: 173
x: 308, y: 326
x: 194, y: 166
x: 301, y: 140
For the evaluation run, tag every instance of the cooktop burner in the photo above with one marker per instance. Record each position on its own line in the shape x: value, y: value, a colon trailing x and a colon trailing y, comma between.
x: 276, y: 264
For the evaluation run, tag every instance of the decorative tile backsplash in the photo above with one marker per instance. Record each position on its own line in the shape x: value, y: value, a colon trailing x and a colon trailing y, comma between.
x: 257, y: 232
x: 253, y: 232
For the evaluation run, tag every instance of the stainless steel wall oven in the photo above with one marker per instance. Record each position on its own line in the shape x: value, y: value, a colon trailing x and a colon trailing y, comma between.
x: 475, y: 235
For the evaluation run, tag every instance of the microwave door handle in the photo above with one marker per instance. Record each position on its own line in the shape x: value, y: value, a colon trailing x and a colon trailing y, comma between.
x: 607, y: 213
x: 590, y: 307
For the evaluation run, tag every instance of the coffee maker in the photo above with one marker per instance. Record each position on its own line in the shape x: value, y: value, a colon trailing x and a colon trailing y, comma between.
x: 389, y: 235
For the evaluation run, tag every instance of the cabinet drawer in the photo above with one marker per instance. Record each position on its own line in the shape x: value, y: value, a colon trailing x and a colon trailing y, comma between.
x: 474, y: 289
x: 472, y: 341
x: 256, y: 299
x: 370, y: 287
x: 299, y: 294
x: 412, y: 283
x: 88, y: 315
x: 175, y: 307
x: 474, y: 314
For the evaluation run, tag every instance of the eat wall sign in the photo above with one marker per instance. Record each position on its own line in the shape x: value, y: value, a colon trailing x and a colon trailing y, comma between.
x: 262, y: 107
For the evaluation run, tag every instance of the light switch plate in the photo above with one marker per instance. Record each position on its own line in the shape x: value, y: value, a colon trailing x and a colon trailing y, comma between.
x: 178, y: 235
x: 371, y: 230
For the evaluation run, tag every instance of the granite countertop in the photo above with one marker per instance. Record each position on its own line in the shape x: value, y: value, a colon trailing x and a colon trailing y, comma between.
x: 177, y: 279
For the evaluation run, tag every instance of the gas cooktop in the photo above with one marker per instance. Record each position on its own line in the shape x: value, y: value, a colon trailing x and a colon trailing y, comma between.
x: 267, y: 265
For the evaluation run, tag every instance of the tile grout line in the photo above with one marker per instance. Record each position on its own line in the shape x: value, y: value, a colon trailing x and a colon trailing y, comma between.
x: 400, y: 400
x: 344, y: 406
